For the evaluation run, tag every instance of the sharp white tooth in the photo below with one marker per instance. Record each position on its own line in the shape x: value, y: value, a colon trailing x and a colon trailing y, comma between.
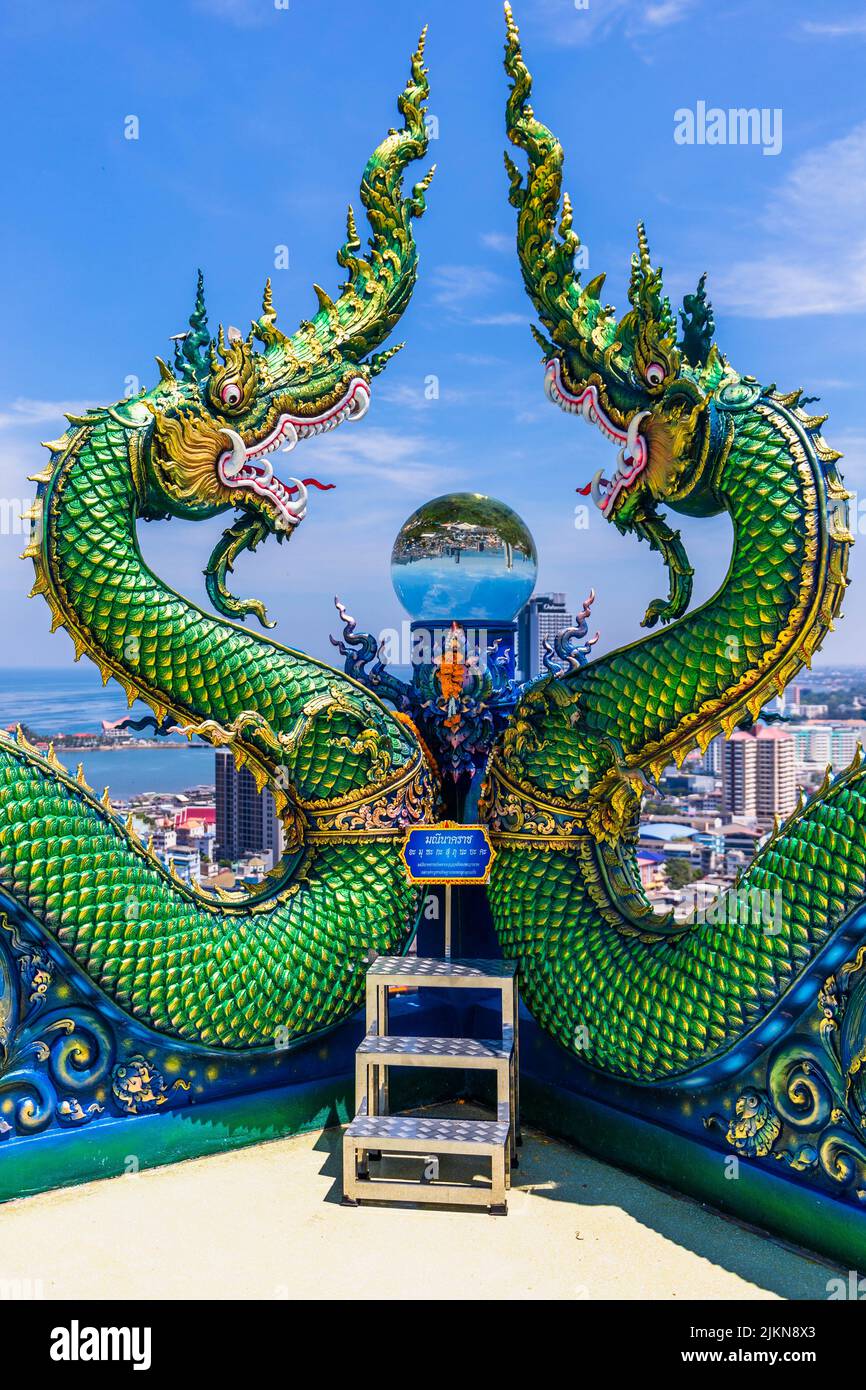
x: 595, y: 489
x: 632, y: 431
x: 290, y: 435
x: 267, y: 471
x: 233, y: 465
x: 360, y: 404
x: 586, y: 407
x: 299, y: 504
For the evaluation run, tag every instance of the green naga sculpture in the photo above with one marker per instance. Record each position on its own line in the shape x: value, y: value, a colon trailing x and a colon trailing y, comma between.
x: 234, y: 971
x: 634, y: 994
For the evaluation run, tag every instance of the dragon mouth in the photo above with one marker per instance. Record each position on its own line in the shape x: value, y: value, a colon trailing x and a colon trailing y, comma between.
x: 633, y: 453
x: 248, y: 466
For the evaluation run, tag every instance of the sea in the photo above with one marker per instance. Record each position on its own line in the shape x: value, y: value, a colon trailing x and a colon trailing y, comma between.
x: 73, y: 701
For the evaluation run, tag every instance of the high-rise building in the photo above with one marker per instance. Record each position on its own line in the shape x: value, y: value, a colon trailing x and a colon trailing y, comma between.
x: 844, y: 744
x: 711, y: 761
x: 542, y: 618
x: 759, y: 774
x: 816, y: 745
x: 246, y: 818
x: 777, y: 775
x: 740, y: 776
x: 813, y: 745
x: 788, y: 703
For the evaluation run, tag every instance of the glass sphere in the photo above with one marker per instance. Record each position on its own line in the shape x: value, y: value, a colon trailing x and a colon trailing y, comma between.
x: 464, y: 556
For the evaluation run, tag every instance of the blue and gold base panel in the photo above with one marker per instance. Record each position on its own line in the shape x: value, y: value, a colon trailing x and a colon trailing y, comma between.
x: 70, y: 1061
x: 777, y: 1137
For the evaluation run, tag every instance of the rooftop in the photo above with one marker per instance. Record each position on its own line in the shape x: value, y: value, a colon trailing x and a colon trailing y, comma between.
x: 737, y: 829
x: 576, y: 1229
x: 762, y: 734
x: 665, y: 830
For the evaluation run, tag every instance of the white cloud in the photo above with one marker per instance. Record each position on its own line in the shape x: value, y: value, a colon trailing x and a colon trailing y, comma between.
x: 497, y: 241
x: 479, y: 359
x: 666, y: 12
x: 504, y: 320
x: 835, y: 29
x: 406, y: 461
x: 812, y: 240
x: 454, y: 285
x: 409, y: 397
x: 246, y: 14
x: 24, y: 413
x: 457, y: 288
x: 572, y: 24
x: 852, y: 446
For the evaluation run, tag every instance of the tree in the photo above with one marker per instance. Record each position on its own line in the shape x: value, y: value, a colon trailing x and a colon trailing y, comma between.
x: 679, y: 872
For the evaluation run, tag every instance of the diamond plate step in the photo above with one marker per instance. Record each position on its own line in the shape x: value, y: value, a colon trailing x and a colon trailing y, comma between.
x: 432, y: 1052
x: 425, y: 1135
x: 441, y: 973
x: 422, y: 1133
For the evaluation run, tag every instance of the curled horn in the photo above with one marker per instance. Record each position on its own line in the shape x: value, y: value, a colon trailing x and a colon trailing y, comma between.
x: 190, y: 362
x: 379, y: 284
x: 572, y: 313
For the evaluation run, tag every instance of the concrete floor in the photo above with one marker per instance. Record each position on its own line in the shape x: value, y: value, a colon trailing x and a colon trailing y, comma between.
x: 266, y: 1223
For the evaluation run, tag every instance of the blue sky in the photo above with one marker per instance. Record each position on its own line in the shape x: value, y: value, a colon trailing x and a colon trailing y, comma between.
x: 255, y: 124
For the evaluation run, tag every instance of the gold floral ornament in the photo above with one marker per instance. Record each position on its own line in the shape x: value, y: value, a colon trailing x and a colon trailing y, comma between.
x: 614, y: 805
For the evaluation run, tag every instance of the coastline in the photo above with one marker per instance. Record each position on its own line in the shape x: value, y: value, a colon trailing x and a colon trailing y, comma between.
x: 64, y: 745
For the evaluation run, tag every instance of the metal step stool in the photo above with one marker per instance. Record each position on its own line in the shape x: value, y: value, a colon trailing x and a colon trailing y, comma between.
x: 374, y: 1130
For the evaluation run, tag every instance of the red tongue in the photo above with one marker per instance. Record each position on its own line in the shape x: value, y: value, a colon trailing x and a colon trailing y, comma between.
x: 584, y: 491
x: 314, y: 482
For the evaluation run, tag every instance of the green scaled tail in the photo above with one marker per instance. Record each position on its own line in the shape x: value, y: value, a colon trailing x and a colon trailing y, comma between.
x: 652, y: 1008
x: 206, y: 971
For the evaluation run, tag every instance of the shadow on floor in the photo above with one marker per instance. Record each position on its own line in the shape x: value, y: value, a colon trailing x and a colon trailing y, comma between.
x: 554, y: 1170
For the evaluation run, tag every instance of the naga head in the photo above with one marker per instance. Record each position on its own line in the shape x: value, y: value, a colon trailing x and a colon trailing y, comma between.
x: 646, y: 388
x: 230, y: 404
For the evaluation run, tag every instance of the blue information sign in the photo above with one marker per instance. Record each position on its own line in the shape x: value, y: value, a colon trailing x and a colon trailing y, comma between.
x: 448, y: 853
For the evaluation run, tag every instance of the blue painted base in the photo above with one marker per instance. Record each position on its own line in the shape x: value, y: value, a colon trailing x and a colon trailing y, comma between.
x: 770, y: 1146
x: 777, y: 1140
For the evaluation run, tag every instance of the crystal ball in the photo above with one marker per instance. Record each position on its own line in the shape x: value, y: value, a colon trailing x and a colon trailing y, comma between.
x: 464, y: 556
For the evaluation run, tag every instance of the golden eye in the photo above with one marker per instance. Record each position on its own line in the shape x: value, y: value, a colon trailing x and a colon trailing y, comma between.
x: 655, y: 374
x: 231, y: 394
